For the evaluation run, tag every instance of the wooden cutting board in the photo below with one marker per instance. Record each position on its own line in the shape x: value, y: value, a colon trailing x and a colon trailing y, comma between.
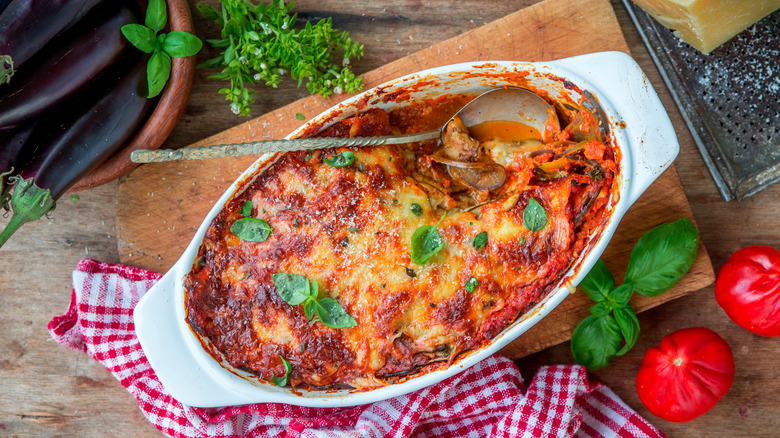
x: 160, y: 206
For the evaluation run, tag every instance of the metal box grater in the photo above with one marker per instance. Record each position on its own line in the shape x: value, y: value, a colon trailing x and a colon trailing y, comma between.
x: 730, y: 99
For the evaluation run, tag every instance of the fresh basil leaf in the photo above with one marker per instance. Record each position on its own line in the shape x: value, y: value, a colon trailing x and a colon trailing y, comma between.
x: 619, y: 296
x: 246, y: 210
x: 595, y: 341
x: 416, y: 209
x: 342, y: 159
x: 293, y: 288
x: 471, y: 284
x: 283, y: 380
x: 332, y: 314
x: 156, y: 15
x: 599, y: 282
x: 251, y: 229
x: 315, y: 290
x: 158, y: 70
x: 180, y: 44
x: 140, y: 36
x: 308, y: 308
x: 600, y: 309
x: 299, y: 116
x: 426, y: 242
x: 480, y: 240
x: 662, y: 256
x: 534, y: 216
x: 629, y: 326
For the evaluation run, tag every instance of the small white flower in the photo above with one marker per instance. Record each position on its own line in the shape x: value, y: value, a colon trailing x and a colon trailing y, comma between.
x: 258, y: 52
x: 284, y: 25
x: 327, y: 83
x: 243, y: 60
x: 263, y: 66
x: 345, y: 62
x: 337, y: 90
x: 258, y: 76
x: 281, y: 71
x: 234, y: 107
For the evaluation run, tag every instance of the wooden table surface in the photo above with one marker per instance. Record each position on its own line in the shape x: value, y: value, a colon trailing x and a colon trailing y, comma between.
x: 47, y: 390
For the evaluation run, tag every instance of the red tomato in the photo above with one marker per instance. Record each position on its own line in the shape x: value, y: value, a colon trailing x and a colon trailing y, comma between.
x: 686, y: 375
x: 748, y: 289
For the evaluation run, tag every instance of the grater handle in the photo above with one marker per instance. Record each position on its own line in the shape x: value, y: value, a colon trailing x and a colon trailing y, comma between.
x: 627, y: 96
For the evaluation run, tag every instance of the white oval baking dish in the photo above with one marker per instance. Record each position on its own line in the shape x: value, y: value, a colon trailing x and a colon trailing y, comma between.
x: 640, y: 127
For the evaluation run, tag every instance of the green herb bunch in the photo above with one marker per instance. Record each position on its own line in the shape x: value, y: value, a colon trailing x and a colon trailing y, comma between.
x: 659, y: 259
x: 261, y: 43
x: 162, y: 46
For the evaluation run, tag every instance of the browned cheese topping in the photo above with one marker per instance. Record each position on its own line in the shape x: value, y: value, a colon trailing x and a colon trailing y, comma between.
x: 517, y: 211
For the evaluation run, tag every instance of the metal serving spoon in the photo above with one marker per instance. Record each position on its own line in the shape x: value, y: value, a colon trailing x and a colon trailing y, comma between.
x: 506, y: 104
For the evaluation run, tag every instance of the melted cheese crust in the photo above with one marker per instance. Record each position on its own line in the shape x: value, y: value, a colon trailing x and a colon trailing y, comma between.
x: 349, y: 229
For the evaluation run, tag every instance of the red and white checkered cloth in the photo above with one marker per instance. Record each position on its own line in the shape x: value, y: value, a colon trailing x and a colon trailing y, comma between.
x: 486, y: 400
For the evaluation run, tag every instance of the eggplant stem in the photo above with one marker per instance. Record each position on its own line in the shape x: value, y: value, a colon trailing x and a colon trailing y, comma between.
x: 6, y: 69
x: 3, y: 177
x: 28, y: 203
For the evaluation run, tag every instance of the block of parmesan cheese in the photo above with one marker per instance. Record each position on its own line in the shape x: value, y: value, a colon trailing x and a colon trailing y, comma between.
x: 706, y: 24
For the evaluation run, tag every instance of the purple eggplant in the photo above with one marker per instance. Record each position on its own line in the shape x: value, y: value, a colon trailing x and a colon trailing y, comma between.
x: 4, y: 4
x: 11, y: 144
x: 27, y: 25
x: 62, y: 151
x: 72, y: 67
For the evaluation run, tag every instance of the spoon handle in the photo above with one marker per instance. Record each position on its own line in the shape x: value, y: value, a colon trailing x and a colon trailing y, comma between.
x: 271, y: 146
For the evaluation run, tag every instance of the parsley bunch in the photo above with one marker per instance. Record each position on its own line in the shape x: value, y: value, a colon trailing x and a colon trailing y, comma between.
x: 261, y: 43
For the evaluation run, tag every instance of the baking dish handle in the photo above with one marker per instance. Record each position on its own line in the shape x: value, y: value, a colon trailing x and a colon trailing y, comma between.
x: 159, y: 333
x: 635, y: 113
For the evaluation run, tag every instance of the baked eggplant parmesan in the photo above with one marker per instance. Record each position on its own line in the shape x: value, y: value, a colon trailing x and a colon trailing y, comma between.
x: 359, y: 267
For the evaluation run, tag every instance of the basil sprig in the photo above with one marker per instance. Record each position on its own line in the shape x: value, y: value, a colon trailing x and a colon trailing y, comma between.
x: 342, y: 159
x: 295, y: 289
x: 283, y: 380
x: 534, y: 216
x: 162, y: 46
x: 426, y: 242
x: 659, y: 259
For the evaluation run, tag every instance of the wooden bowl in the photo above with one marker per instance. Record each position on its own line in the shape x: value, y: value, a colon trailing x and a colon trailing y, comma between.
x: 165, y: 115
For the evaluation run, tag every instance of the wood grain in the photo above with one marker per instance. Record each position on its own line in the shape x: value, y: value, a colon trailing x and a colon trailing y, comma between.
x: 153, y: 208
